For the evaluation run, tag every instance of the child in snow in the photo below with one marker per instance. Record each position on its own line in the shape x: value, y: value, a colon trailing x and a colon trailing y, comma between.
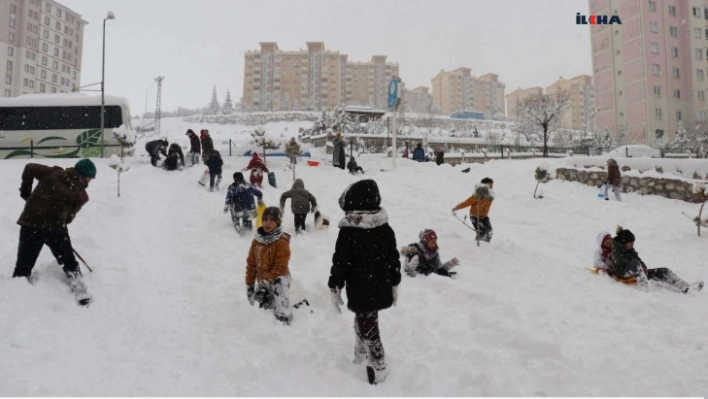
x: 207, y: 144
x: 154, y: 148
x: 423, y: 258
x: 214, y: 163
x: 239, y: 200
x: 299, y: 204
x: 175, y: 158
x: 628, y: 264
x: 195, y: 147
x: 602, y: 260
x: 257, y: 167
x: 614, y: 179
x: 267, y: 267
x: 353, y: 167
x: 366, y: 261
x: 479, y: 205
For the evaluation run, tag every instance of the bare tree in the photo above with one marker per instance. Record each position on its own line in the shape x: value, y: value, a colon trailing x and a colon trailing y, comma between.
x: 430, y: 116
x: 544, y: 111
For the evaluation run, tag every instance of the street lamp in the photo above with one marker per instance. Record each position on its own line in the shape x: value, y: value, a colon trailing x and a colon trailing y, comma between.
x: 103, y: 76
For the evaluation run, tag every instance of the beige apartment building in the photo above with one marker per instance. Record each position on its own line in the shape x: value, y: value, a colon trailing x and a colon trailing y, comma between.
x: 516, y: 98
x: 41, y: 45
x: 458, y: 90
x: 578, y: 113
x: 312, y: 79
x: 417, y: 100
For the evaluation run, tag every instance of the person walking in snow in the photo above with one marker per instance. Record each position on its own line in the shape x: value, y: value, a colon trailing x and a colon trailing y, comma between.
x: 627, y: 264
x: 207, y: 144
x: 602, y: 259
x: 175, y: 158
x: 353, y: 167
x: 214, y: 163
x: 614, y: 179
x: 267, y: 273
x: 49, y: 209
x: 367, y: 262
x: 257, y: 168
x: 440, y: 156
x: 423, y: 257
x: 300, y: 201
x: 338, y: 151
x: 293, y: 150
x: 419, y: 153
x: 195, y: 150
x: 154, y: 148
x: 239, y: 200
x: 479, y: 205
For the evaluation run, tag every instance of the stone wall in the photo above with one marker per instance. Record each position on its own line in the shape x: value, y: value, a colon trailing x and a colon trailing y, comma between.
x: 669, y: 188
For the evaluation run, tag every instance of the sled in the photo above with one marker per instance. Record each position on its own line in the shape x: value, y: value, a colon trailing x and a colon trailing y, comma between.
x: 312, y: 163
x: 628, y: 280
x: 271, y: 179
x: 259, y: 215
x: 205, y: 178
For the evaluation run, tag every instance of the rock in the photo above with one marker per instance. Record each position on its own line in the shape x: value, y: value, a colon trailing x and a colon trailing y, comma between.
x: 675, y: 195
x: 659, y: 169
x: 651, y: 183
x: 670, y: 186
x: 680, y: 188
x: 634, y: 182
x: 626, y: 168
x: 593, y: 175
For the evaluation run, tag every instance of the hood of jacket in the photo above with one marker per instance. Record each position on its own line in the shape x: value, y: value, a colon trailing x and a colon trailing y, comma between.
x: 483, y: 191
x: 298, y: 184
x: 601, y: 238
x: 364, y: 219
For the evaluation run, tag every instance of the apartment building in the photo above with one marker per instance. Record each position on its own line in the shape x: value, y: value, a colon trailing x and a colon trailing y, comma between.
x: 458, y: 90
x: 312, y: 79
x: 41, y: 44
x: 578, y: 113
x: 650, y: 71
x: 417, y: 100
x: 516, y: 98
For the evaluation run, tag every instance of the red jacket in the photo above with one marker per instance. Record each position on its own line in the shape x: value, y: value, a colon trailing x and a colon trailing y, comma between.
x: 257, y: 163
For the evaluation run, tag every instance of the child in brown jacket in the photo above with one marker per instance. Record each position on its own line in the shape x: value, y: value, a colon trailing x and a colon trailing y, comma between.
x: 267, y: 265
x: 479, y: 205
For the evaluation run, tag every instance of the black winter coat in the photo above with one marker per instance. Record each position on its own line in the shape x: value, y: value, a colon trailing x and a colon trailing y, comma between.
x: 195, y: 143
x: 366, y: 260
x: 156, y: 146
x: 214, y: 163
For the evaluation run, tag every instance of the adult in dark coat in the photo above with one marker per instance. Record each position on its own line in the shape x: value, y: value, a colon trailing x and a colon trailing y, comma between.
x: 54, y: 203
x: 207, y: 144
x: 300, y: 200
x: 195, y: 147
x: 366, y: 260
x: 175, y: 158
x: 338, y: 151
x: 214, y: 163
x: 440, y: 156
x: 154, y: 148
x: 419, y: 153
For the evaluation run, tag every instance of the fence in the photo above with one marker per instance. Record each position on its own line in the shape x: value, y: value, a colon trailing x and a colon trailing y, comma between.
x: 32, y: 151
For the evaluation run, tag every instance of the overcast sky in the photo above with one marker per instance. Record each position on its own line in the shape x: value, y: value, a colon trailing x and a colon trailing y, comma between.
x: 199, y: 44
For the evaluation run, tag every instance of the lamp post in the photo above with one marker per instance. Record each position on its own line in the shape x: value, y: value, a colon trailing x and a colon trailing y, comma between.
x: 103, y: 76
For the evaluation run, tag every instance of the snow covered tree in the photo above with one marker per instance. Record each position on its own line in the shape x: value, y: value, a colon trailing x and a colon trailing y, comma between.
x: 214, y: 104
x: 342, y: 121
x: 544, y: 111
x: 430, y: 116
x: 621, y: 136
x: 261, y: 139
x: 228, y: 107
x: 607, y: 141
x: 700, y: 138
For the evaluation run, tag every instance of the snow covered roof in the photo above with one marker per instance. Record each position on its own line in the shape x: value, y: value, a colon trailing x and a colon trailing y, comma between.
x: 60, y: 100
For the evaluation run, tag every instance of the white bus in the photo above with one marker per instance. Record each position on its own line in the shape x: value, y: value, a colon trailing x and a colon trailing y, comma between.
x: 63, y: 125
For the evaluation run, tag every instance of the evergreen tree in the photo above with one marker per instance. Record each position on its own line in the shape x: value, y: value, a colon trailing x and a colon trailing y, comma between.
x: 682, y: 140
x: 228, y: 107
x: 214, y: 104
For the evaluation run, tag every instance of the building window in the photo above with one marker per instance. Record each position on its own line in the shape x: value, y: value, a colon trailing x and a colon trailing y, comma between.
x: 701, y: 95
x: 702, y: 116
x: 677, y: 94
x: 657, y: 112
x: 672, y: 11
x: 44, y: 60
x: 47, y: 21
x: 657, y: 90
x: 26, y: 83
x: 54, y: 78
x: 26, y: 68
x: 678, y: 115
x: 57, y: 25
x: 56, y: 52
x: 699, y: 53
x: 673, y: 31
x: 43, y: 74
x: 11, y: 37
x: 676, y: 73
x: 655, y: 69
x: 674, y: 51
x: 56, y: 39
x: 8, y: 79
x: 700, y: 74
x: 42, y: 87
x: 655, y: 48
x: 54, y: 89
x: 697, y: 33
x: 31, y: 82
x: 55, y: 65
x: 697, y: 12
x: 47, y: 7
x: 652, y: 6
x: 10, y: 51
x: 46, y: 34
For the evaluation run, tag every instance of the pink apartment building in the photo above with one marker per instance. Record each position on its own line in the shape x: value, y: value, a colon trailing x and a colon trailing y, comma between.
x: 650, y: 71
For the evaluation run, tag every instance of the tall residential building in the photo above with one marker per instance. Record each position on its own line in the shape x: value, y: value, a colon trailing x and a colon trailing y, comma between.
x: 417, y: 99
x: 580, y: 107
x: 649, y: 72
x: 516, y: 98
x: 313, y: 79
x: 458, y: 90
x: 41, y: 45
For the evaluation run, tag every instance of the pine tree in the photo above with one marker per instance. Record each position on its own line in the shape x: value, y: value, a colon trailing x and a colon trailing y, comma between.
x: 682, y: 141
x: 214, y: 104
x: 228, y: 107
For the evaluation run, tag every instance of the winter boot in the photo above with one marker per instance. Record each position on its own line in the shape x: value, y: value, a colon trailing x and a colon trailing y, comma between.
x: 76, y: 282
x: 376, y: 374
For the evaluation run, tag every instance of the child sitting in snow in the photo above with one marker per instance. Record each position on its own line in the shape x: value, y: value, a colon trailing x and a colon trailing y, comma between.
x: 239, y: 200
x: 423, y: 257
x: 353, y: 167
x: 267, y: 274
x: 479, y: 205
x: 602, y: 261
x: 299, y: 204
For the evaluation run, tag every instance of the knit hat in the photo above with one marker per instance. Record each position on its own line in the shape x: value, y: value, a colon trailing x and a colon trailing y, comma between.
x: 272, y: 212
x: 624, y: 236
x: 427, y: 235
x: 238, y: 177
x: 86, y: 168
x: 189, y: 131
x: 361, y: 196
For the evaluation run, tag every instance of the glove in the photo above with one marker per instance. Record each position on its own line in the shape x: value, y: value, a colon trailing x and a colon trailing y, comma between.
x: 335, y: 295
x: 282, y: 210
x: 226, y: 209
x: 453, y: 262
x: 261, y: 203
x: 24, y: 195
x: 251, y: 293
x: 395, y: 295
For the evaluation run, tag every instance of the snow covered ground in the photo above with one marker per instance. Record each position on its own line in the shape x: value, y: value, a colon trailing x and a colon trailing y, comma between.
x: 170, y: 315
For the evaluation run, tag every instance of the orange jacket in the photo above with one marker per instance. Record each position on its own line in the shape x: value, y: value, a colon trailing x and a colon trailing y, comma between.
x: 479, y: 203
x: 268, y: 258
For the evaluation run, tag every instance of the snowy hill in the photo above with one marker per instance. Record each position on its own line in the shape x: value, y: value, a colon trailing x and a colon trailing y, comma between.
x: 522, y: 318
